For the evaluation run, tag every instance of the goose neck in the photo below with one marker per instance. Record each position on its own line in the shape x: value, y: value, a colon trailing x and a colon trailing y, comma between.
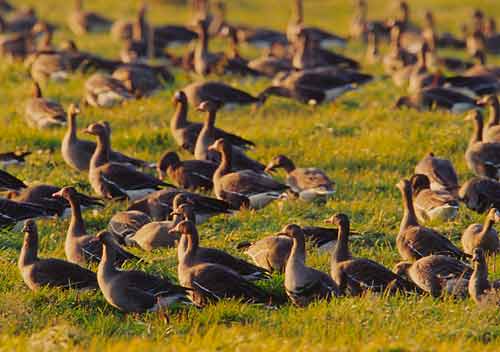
x: 76, y: 225
x: 341, y: 252
x: 101, y: 153
x: 409, y: 216
x: 179, y: 120
x: 29, y: 250
x: 106, y: 267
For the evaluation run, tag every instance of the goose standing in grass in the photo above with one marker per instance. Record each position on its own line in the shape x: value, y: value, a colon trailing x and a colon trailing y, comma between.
x: 133, y: 291
x: 245, y: 187
x: 125, y: 224
x: 491, y: 132
x: 437, y: 275
x: 482, y: 236
x: 43, y: 113
x: 430, y: 204
x: 480, y: 193
x: 482, y: 158
x: 307, y: 183
x: 13, y: 158
x: 111, y: 180
x: 81, y: 21
x: 415, y: 241
x: 480, y: 289
x: 37, y: 272
x: 304, y: 284
x: 440, y: 172
x: 357, y: 275
x: 102, y: 90
x: 80, y: 247
x: 10, y: 182
x: 211, y: 282
x: 438, y: 98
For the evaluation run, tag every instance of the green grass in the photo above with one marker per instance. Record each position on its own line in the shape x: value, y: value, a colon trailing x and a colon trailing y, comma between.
x: 364, y: 145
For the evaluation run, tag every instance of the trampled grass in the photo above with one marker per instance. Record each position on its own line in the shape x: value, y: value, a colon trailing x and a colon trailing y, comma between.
x: 360, y: 141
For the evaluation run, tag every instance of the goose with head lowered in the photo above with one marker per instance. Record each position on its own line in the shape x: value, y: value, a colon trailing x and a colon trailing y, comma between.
x: 81, y: 21
x: 481, y: 290
x: 211, y: 282
x: 142, y: 80
x: 304, y: 284
x: 80, y: 247
x: 480, y: 193
x: 357, y: 275
x: 10, y: 182
x: 186, y: 133
x: 133, y: 291
x: 111, y: 180
x: 243, y: 188
x: 77, y: 152
x: 440, y: 172
x: 43, y: 113
x: 415, y: 241
x: 491, y: 132
x: 482, y: 236
x: 102, y: 90
x: 51, y: 272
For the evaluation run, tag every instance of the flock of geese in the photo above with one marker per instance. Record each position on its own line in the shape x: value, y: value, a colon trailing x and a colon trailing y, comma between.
x: 303, y: 67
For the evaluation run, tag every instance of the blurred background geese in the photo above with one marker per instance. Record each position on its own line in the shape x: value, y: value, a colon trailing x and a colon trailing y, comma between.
x: 102, y: 90
x: 440, y: 172
x: 481, y: 290
x: 482, y: 236
x: 81, y: 21
x: 43, y: 113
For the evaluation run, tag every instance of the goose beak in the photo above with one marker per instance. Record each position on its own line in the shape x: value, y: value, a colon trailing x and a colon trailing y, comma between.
x: 329, y: 221
x: 58, y: 194
x: 270, y: 168
x: 87, y: 131
x: 173, y: 231
x: 482, y: 101
x: 161, y: 174
x: 212, y: 147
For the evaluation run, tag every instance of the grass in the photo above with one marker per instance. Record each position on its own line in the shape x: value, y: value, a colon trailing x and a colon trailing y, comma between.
x: 364, y: 145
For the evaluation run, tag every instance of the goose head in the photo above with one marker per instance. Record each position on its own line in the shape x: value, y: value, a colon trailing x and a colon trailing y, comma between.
x: 169, y: 159
x: 402, y: 268
x: 179, y: 97
x: 277, y: 162
x: 66, y: 193
x: 338, y: 219
x: 180, y: 199
x: 186, y: 211
x: 419, y: 182
x: 105, y: 237
x: 219, y: 146
x: 29, y: 228
x: 96, y: 129
x: 488, y: 100
x: 209, y: 106
x: 293, y: 231
x: 184, y: 228
x: 73, y: 110
x: 404, y: 185
x: 478, y: 258
x: 494, y: 215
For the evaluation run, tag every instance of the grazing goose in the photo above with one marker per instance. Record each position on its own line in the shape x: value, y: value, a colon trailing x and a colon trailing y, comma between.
x: 415, y: 241
x: 482, y: 158
x: 50, y: 65
x: 16, y: 212
x: 482, y: 236
x: 133, y: 291
x: 480, y: 193
x: 84, y: 61
x: 10, y: 182
x: 245, y: 187
x: 491, y: 132
x: 437, y: 275
x: 13, y: 158
x: 187, y: 174
x: 440, y: 172
x: 430, y: 204
x: 211, y: 282
x: 77, y: 153
x: 304, y: 284
x: 480, y: 289
x: 357, y: 275
x: 105, y: 91
x: 80, y: 247
x: 307, y: 183
x: 81, y: 21
x: 125, y: 224
x: 207, y: 136
x: 270, y: 66
x: 112, y: 180
x: 43, y: 113
x: 141, y: 80
x: 440, y: 98
x: 186, y: 133
x: 37, y: 272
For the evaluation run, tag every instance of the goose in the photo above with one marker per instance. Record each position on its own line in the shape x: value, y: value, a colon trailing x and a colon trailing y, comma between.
x: 81, y: 21
x: 480, y: 68
x: 80, y: 247
x: 270, y: 253
x: 37, y: 272
x: 480, y: 289
x: 480, y: 193
x: 207, y: 136
x: 360, y: 26
x: 211, y: 282
x: 230, y: 97
x: 133, y: 291
x: 13, y: 158
x: 142, y: 80
x: 420, y: 75
x: 482, y: 158
x: 259, y: 37
x: 430, y: 204
x: 43, y: 113
x: 77, y: 153
x: 397, y: 57
x: 437, y: 275
x: 439, y: 40
x: 438, y: 98
x: 440, y: 172
x: 50, y: 66
x: 187, y: 174
x: 270, y: 66
x: 10, y: 182
x: 111, y: 180
x: 482, y: 236
x: 357, y: 275
x: 473, y: 85
x: 372, y: 55
x: 186, y: 133
x: 415, y: 241
x: 491, y: 134
x: 242, y: 188
x: 14, y: 46
x: 105, y: 91
x: 22, y: 20
x: 125, y: 224
x: 304, y: 284
x: 84, y: 61
x: 13, y: 212
x: 307, y: 183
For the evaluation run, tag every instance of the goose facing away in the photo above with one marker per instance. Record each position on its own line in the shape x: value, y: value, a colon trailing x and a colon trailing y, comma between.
x: 480, y: 193
x: 304, y: 284
x: 125, y: 224
x: 482, y: 236
x: 441, y: 173
x: 37, y: 272
x: 480, y: 289
x: 43, y: 113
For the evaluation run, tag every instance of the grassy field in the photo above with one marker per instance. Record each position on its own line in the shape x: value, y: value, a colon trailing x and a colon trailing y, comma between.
x: 360, y: 141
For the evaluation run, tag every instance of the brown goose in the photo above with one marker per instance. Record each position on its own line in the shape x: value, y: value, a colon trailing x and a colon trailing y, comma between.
x: 438, y: 98
x: 50, y: 272
x: 186, y: 133
x: 432, y: 205
x: 304, y: 284
x: 78, y: 152
x: 243, y: 188
x: 482, y: 158
x: 212, y: 282
x: 357, y: 275
x: 50, y: 65
x: 112, y: 180
x: 105, y: 91
x: 307, y: 183
x: 187, y: 174
x: 270, y: 253
x: 13, y: 212
x: 270, y: 65
x: 13, y: 158
x: 480, y: 289
x: 481, y: 68
x: 10, y: 182
x: 84, y: 61
x: 80, y: 247
x: 142, y: 80
x: 125, y: 224
x: 397, y: 57
x: 155, y: 234
x: 133, y: 291
x: 480, y: 193
x: 437, y: 275
x: 440, y: 173
x: 482, y: 236
x: 43, y: 113
x: 14, y: 46
x: 491, y: 132
x: 415, y: 241
x: 81, y: 21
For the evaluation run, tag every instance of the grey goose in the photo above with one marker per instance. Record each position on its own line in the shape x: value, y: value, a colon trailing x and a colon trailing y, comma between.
x: 438, y: 98
x: 10, y: 182
x: 102, y: 90
x: 13, y: 158
x: 43, y: 113
x: 491, y: 132
x: 440, y: 172
x: 480, y: 193
x: 480, y: 289
x: 482, y: 236
x: 125, y: 224
x: 81, y: 21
